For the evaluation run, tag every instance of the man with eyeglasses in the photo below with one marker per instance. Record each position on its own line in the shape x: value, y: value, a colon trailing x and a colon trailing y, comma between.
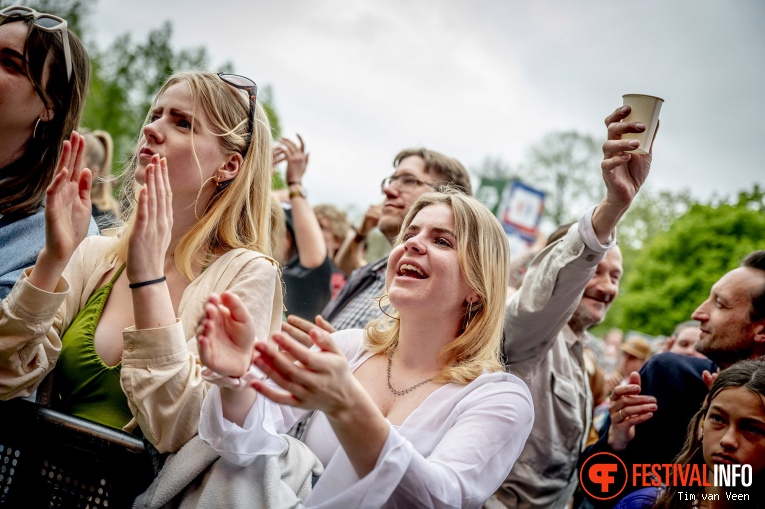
x: 417, y: 171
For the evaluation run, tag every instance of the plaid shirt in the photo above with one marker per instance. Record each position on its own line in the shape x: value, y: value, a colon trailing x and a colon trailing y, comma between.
x: 356, y: 304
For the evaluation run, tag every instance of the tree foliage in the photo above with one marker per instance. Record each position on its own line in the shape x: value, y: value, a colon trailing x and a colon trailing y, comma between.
x: 675, y: 270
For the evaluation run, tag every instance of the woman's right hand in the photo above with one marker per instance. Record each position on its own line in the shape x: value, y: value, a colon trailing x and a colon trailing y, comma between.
x: 67, y: 214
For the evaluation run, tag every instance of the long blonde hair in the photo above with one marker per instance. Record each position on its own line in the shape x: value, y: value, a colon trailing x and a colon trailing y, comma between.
x: 99, y: 150
x: 484, y: 258
x: 238, y: 214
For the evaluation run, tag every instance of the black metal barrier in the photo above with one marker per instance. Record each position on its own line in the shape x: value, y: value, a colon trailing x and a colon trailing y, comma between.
x: 49, y: 459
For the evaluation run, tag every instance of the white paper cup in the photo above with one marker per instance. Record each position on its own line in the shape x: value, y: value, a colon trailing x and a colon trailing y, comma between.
x: 645, y: 109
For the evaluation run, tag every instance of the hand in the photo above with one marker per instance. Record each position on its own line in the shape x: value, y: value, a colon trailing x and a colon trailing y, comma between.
x: 226, y: 335
x: 296, y: 157
x: 709, y: 378
x: 627, y: 410
x: 623, y: 173
x: 300, y: 328
x: 319, y: 380
x: 371, y: 218
x: 150, y: 236
x: 67, y: 202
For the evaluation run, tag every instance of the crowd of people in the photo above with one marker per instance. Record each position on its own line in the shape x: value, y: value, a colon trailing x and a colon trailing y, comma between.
x: 239, y: 329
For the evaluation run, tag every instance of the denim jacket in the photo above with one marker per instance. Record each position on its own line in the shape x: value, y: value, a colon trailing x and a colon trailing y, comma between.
x: 543, y: 351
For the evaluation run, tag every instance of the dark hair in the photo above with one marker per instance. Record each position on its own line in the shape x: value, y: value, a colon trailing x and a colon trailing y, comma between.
x: 559, y: 233
x: 750, y: 374
x: 449, y: 169
x: 756, y: 260
x: 26, y: 179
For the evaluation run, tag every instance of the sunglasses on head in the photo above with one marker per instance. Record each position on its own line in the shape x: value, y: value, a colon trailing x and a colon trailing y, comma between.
x: 46, y: 22
x: 246, y: 84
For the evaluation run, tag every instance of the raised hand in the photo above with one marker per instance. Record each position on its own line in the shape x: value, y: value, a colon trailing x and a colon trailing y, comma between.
x: 300, y: 328
x: 296, y: 157
x: 623, y: 173
x: 319, y: 380
x: 226, y: 335
x: 67, y: 201
x: 628, y: 409
x: 150, y: 236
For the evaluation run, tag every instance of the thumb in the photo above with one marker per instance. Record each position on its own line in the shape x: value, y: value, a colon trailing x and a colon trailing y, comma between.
x: 634, y: 378
x: 323, y: 340
x: 324, y: 324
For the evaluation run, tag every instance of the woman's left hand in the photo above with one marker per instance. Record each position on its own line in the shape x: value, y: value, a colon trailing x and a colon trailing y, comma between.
x: 319, y: 380
x: 150, y: 236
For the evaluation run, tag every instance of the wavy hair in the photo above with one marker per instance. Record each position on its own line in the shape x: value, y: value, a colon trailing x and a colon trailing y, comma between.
x: 26, y: 179
x: 749, y: 374
x: 238, y: 214
x: 99, y: 151
x: 484, y: 259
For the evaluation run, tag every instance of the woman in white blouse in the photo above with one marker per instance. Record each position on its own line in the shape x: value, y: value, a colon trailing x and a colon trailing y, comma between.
x: 414, y: 411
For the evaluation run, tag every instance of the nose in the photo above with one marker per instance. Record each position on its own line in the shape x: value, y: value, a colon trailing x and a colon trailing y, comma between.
x: 152, y: 132
x: 414, y: 244
x: 701, y: 314
x: 729, y: 440
x: 391, y: 190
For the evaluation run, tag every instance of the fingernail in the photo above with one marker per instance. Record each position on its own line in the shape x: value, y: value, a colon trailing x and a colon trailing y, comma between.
x: 633, y: 143
x: 652, y: 407
x: 640, y: 127
x: 625, y: 109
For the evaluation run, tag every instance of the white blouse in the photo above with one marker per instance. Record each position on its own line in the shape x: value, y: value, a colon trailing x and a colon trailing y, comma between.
x: 454, y: 450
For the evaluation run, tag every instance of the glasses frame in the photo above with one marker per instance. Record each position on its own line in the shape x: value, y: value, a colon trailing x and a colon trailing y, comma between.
x: 252, y: 93
x: 24, y: 12
x: 388, y: 181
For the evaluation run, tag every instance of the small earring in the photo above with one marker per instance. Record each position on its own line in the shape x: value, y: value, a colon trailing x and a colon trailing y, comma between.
x: 379, y: 305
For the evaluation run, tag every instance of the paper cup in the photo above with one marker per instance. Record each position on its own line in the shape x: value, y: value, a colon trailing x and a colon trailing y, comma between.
x: 645, y: 109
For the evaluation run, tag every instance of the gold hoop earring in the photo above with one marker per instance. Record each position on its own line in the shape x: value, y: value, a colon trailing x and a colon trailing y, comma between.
x: 379, y: 305
x: 468, y: 318
x: 199, y: 193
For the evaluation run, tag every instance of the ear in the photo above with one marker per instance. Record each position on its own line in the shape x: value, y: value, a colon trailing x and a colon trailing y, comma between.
x: 231, y: 167
x: 758, y: 332
x: 472, y: 297
x: 46, y: 115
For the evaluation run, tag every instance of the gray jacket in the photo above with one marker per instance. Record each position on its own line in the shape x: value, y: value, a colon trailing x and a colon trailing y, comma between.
x: 543, y: 351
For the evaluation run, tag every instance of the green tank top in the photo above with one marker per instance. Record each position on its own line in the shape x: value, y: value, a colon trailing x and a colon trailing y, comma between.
x: 86, y: 386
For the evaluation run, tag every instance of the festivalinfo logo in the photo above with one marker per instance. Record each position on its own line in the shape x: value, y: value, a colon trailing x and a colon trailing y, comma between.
x: 604, y: 476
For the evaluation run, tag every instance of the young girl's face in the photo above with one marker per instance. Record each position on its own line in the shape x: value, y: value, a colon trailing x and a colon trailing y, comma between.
x: 734, y: 429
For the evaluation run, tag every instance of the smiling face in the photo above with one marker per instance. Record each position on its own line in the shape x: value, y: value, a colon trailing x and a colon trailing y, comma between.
x: 424, y: 271
x: 734, y: 429
x: 728, y: 332
x: 20, y: 105
x: 398, y: 201
x: 169, y: 134
x: 599, y: 293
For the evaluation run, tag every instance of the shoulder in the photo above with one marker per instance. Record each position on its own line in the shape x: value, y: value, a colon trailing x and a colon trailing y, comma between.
x: 245, y: 261
x: 641, y: 499
x: 499, y: 388
x: 672, y: 365
x: 350, y: 342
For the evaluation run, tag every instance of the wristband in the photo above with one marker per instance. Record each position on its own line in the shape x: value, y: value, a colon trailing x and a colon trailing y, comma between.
x: 359, y: 238
x: 298, y: 183
x: 237, y: 383
x: 133, y: 286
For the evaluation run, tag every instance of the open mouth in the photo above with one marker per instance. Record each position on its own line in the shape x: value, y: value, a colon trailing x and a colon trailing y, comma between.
x: 409, y: 270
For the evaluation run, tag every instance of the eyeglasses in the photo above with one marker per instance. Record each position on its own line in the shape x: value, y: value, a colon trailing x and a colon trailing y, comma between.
x: 405, y: 183
x: 48, y: 23
x: 246, y: 84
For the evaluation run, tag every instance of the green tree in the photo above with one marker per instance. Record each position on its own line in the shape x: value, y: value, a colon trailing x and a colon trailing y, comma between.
x: 675, y: 270
x: 566, y: 165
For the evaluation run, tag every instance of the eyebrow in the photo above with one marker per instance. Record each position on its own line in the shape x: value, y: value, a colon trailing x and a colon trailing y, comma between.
x: 437, y: 230
x: 12, y: 53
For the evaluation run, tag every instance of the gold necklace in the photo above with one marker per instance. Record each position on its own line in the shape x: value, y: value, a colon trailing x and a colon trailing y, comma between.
x: 405, y: 391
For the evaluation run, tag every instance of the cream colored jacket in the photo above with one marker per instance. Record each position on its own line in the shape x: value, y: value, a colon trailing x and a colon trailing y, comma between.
x: 160, y: 367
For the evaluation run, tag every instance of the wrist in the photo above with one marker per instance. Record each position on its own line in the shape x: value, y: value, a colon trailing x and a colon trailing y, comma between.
x: 296, y: 190
x: 360, y: 238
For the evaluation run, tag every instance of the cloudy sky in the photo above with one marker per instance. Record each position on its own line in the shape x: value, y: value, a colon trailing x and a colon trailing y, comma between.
x: 362, y: 80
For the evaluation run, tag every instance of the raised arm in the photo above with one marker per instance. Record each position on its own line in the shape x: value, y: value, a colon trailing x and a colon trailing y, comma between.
x: 556, y: 278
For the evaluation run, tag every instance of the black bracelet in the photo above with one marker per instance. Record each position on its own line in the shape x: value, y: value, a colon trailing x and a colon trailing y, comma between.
x: 133, y: 286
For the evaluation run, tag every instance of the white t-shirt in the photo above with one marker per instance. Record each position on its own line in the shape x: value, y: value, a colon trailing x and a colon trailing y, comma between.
x: 454, y: 450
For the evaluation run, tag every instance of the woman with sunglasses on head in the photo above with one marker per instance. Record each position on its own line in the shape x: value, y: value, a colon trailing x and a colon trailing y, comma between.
x: 116, y: 316
x: 416, y: 410
x: 44, y: 73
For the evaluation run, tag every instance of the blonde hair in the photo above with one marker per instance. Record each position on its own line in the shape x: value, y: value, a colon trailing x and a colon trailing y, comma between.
x: 99, y: 150
x: 238, y: 214
x: 484, y: 258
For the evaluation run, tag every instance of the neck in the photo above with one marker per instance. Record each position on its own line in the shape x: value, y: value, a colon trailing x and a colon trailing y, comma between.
x: 421, y: 340
x: 13, y: 149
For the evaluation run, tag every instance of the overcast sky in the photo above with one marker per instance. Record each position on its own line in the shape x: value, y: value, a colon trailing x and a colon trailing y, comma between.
x: 362, y: 80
